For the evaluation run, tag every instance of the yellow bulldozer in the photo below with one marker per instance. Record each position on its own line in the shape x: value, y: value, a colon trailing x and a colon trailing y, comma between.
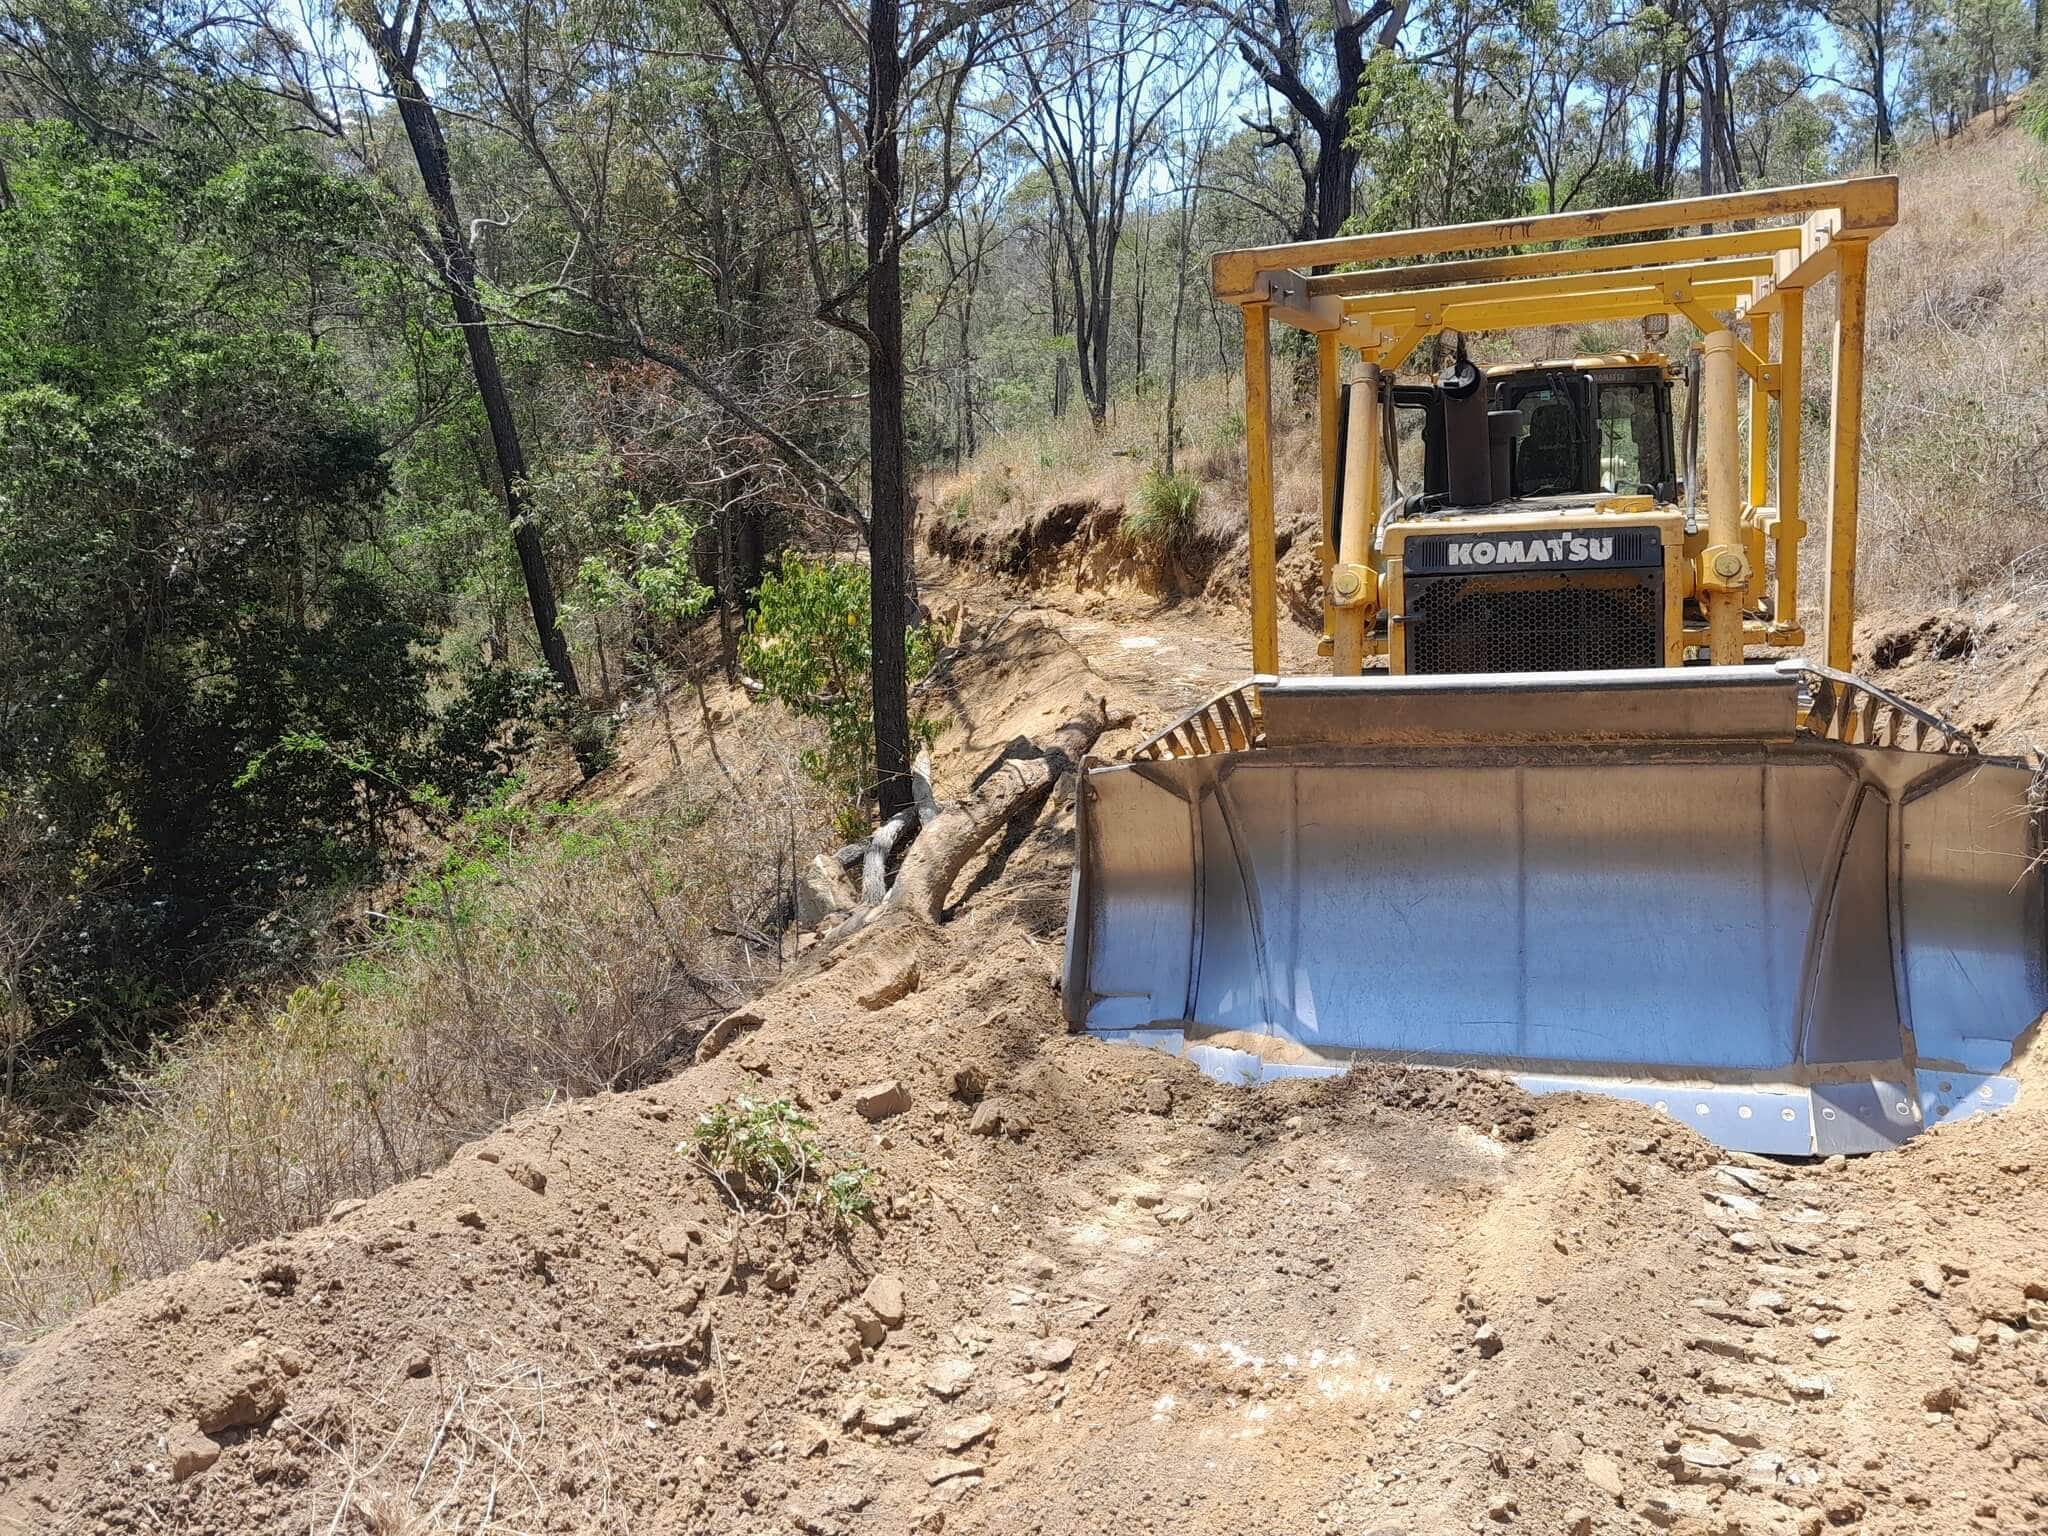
x: 1573, y: 802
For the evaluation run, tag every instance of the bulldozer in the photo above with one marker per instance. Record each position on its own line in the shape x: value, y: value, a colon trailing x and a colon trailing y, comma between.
x: 1579, y: 800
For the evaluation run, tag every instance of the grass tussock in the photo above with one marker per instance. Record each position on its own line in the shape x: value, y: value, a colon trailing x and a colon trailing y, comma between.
x: 1955, y: 447
x: 550, y: 950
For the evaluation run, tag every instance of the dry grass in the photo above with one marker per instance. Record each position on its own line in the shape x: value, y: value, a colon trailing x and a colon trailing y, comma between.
x: 1955, y: 453
x: 556, y: 950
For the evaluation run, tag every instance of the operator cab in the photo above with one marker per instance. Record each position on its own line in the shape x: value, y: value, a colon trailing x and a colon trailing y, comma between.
x: 1581, y: 428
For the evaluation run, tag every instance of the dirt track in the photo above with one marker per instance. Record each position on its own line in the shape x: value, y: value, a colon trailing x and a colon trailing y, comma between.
x: 1402, y: 1302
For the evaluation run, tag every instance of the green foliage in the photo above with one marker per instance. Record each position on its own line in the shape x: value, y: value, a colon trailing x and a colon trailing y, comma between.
x: 1410, y: 142
x: 1164, y: 518
x: 191, y: 578
x: 768, y: 1155
x: 809, y: 645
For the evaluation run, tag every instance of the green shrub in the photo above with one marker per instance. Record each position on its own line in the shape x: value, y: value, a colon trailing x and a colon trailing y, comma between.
x: 1164, y: 519
x: 808, y: 644
x: 768, y: 1156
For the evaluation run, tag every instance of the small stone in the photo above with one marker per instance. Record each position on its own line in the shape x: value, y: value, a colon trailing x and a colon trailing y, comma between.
x: 949, y: 1378
x: 884, y: 1297
x: 1835, y: 1164
x: 879, y: 1101
x: 1603, y: 1472
x: 1158, y: 1096
x: 1628, y: 1181
x: 987, y: 1119
x: 1747, y: 1242
x: 950, y: 1467
x: 811, y: 1440
x: 1016, y: 1126
x: 467, y: 1216
x: 341, y: 1208
x: 1824, y: 1335
x: 725, y: 1031
x: 1033, y: 1266
x: 870, y: 1330
x: 888, y: 1415
x: 1807, y: 1386
x: 1741, y: 1178
x: 1577, y: 1523
x: 1052, y: 1354
x: 246, y: 1387
x: 190, y: 1451
x: 962, y: 1433
x: 522, y: 1172
x: 1928, y: 1277
x: 970, y: 1085
x: 1488, y: 1341
x: 1769, y: 1301
x: 418, y: 1364
x: 1964, y: 1347
x: 1502, y: 1509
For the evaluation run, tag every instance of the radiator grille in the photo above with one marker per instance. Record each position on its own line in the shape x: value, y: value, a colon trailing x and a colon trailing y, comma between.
x: 1535, y: 623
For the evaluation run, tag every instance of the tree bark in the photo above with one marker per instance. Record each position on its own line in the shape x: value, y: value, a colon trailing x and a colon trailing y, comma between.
x: 456, y: 264
x: 888, y: 454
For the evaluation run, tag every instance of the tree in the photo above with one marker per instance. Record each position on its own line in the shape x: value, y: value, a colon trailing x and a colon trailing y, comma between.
x: 395, y: 41
x: 1096, y: 94
x: 1280, y: 42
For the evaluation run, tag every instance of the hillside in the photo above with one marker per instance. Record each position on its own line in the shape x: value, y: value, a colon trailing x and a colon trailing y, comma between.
x: 1094, y: 1290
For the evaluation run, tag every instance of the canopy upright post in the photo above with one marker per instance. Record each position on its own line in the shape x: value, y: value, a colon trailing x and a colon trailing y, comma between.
x: 1258, y: 445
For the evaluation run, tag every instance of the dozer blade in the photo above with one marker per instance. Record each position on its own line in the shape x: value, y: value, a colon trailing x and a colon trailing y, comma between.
x: 1779, y: 905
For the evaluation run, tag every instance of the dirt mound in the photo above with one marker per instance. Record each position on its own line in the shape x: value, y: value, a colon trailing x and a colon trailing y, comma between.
x: 1981, y: 668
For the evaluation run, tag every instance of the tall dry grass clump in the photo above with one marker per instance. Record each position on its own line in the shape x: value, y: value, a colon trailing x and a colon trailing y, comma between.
x: 1955, y: 446
x: 549, y: 950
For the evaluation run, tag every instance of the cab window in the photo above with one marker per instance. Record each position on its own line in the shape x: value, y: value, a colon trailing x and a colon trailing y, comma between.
x: 1631, y: 440
x: 1547, y: 460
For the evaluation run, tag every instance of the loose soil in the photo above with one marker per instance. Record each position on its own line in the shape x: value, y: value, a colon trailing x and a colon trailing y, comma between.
x: 1098, y: 1293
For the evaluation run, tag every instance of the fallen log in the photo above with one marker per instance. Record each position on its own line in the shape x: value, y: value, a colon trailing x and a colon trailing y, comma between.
x: 1014, y: 786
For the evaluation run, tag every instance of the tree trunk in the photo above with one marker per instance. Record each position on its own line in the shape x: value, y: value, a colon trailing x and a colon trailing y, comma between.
x: 456, y: 264
x: 888, y: 466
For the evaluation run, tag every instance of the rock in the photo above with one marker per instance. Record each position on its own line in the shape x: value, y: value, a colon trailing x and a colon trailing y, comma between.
x: 1628, y: 1181
x: 1943, y: 1399
x: 1052, y: 1354
x: 1928, y: 1277
x: 1577, y: 1523
x: 950, y: 1467
x: 823, y: 889
x: 870, y: 1330
x: 467, y: 1216
x: 522, y: 1172
x: 1747, y: 1242
x: 1603, y: 1472
x: 893, y: 988
x: 880, y: 1101
x: 341, y: 1208
x: 418, y: 1364
x: 1741, y: 1178
x: 888, y: 1415
x: 674, y: 1240
x: 725, y: 1031
x: 1033, y: 1266
x: 1707, y: 1457
x: 191, y: 1452
x: 1964, y: 1347
x: 1807, y: 1386
x: 1502, y: 1509
x: 246, y: 1387
x: 884, y: 1297
x: 1158, y: 1096
x: 1016, y: 1126
x: 962, y: 1433
x: 1824, y: 1335
x: 970, y: 1084
x: 949, y: 1378
x: 987, y: 1119
x: 1769, y: 1301
x: 1488, y: 1341
x: 811, y: 1439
